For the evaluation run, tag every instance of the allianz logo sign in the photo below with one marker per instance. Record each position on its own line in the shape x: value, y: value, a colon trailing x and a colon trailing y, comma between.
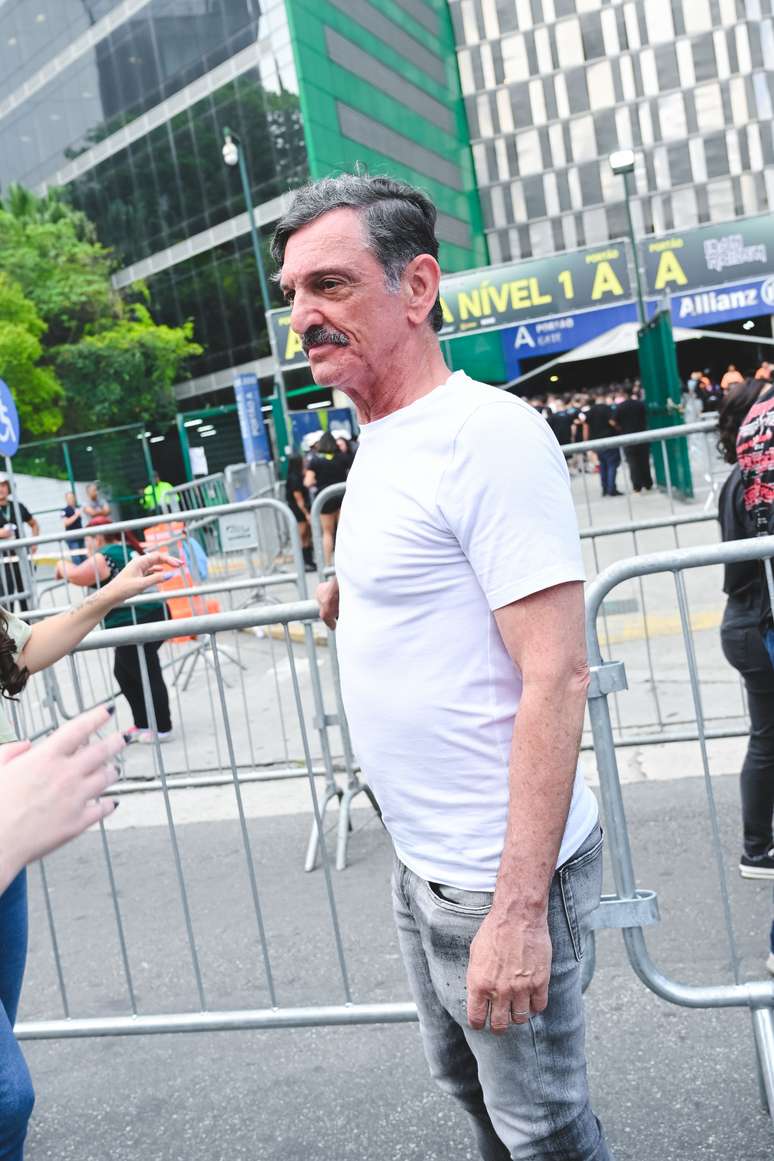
x: 720, y: 301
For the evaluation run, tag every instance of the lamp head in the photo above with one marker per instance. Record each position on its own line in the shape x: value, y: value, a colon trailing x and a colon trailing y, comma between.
x: 230, y: 149
x: 622, y: 161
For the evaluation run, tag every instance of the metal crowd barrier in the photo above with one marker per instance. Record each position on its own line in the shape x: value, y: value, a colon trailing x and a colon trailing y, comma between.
x: 137, y: 939
x: 609, y: 678
x: 204, y: 492
x: 84, y: 679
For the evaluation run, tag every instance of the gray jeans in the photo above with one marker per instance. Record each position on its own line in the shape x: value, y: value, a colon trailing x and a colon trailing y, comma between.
x: 526, y: 1091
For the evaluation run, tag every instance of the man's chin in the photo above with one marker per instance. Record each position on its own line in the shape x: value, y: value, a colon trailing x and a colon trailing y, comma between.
x: 325, y: 362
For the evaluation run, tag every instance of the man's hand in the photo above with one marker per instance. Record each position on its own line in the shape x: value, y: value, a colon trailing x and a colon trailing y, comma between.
x: 50, y: 793
x: 508, y: 971
x: 328, y: 599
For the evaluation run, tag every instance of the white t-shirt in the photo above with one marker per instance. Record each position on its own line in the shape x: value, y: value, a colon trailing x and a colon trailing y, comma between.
x: 455, y: 506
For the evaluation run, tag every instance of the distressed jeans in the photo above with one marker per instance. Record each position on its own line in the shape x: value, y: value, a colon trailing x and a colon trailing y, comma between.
x: 526, y: 1091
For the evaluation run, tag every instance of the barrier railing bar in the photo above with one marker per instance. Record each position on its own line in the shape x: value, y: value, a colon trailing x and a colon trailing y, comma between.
x: 233, y: 1021
x: 318, y: 814
x: 654, y: 435
x: 698, y: 709
x: 159, y: 761
x: 54, y: 939
x: 246, y: 845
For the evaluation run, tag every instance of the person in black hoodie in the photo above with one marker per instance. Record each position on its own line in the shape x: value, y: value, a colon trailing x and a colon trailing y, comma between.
x: 746, y: 610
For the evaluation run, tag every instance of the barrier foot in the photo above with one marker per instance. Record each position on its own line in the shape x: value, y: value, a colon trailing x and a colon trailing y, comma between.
x: 344, y: 827
x: 763, y: 1027
x: 313, y: 848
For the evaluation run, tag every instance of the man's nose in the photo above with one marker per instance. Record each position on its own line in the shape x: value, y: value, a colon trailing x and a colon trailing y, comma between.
x: 305, y: 313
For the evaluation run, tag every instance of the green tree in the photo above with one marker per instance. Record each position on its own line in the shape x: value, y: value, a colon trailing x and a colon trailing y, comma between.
x: 36, y: 388
x: 68, y: 328
x: 125, y: 372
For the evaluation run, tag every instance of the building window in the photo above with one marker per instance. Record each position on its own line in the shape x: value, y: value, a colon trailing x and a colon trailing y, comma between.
x: 666, y: 67
x: 534, y: 197
x: 704, y: 63
x: 577, y: 90
x: 591, y: 35
x: 679, y: 160
x: 716, y: 156
x: 590, y: 185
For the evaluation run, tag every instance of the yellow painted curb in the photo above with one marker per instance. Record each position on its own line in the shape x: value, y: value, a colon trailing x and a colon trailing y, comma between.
x: 658, y: 625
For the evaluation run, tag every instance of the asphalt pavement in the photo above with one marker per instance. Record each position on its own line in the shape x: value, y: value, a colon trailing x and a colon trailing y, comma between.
x: 669, y: 1084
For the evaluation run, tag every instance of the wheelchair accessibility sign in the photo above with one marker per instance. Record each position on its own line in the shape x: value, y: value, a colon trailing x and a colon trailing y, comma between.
x: 9, y: 422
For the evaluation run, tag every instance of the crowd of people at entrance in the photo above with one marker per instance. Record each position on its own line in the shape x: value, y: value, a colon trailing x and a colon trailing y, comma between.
x: 598, y: 415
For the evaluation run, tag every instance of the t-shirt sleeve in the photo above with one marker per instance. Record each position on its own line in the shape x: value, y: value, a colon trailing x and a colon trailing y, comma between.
x: 26, y: 515
x: 18, y: 630
x: 505, y: 495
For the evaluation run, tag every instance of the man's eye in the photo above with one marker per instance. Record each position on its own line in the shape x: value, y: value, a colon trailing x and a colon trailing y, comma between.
x: 330, y: 284
x: 289, y: 295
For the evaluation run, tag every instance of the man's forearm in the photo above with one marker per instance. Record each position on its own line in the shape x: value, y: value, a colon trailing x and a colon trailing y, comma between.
x: 57, y: 636
x: 543, y: 761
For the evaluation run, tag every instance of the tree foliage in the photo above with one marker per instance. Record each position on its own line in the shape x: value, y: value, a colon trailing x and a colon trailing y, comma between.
x: 125, y: 372
x: 37, y: 390
x: 73, y: 348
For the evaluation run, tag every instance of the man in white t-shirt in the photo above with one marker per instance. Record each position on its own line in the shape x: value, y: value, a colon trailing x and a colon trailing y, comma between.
x: 459, y: 603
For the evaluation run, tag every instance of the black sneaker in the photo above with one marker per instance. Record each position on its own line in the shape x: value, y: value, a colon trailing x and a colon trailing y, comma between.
x: 758, y: 866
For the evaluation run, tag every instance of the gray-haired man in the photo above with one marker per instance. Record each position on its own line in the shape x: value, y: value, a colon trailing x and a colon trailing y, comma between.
x: 459, y: 600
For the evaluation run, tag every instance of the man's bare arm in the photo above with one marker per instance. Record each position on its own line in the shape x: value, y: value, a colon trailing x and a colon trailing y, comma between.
x: 510, y: 958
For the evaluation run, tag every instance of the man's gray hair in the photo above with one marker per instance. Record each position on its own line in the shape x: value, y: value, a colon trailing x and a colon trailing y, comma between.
x: 399, y: 222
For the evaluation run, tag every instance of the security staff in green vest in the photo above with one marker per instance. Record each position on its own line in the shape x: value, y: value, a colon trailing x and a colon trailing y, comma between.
x: 154, y: 493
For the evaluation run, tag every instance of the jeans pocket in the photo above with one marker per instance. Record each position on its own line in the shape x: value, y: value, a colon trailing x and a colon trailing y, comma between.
x: 475, y: 904
x: 580, y: 883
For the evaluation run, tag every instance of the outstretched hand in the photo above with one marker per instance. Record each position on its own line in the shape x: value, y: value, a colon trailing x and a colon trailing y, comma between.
x: 141, y: 573
x: 50, y: 793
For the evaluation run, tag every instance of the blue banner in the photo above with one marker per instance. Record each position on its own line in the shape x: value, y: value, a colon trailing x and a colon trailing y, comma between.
x: 549, y: 337
x: 705, y: 308
x: 254, y: 438
x: 9, y: 422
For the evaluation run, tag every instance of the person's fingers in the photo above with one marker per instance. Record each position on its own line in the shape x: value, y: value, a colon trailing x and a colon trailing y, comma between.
x: 94, y: 811
x: 500, y: 1014
x: 478, y: 1007
x: 98, y: 753
x: 540, y: 998
x: 12, y: 750
x: 520, y: 1008
x: 69, y: 737
x: 95, y: 783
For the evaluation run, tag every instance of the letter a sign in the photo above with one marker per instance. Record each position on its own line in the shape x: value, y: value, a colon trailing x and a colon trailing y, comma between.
x: 523, y: 338
x: 9, y: 422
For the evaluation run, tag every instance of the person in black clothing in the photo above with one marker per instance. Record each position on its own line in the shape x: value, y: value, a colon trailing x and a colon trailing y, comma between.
x: 297, y: 497
x: 327, y: 466
x: 600, y: 424
x: 630, y: 417
x: 740, y: 634
x: 562, y: 421
x: 11, y: 571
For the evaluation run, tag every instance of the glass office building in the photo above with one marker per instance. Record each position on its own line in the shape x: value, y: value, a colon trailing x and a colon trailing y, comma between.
x: 124, y: 102
x: 552, y: 87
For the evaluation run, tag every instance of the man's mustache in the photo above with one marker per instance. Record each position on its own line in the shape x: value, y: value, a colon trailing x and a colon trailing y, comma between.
x: 317, y: 336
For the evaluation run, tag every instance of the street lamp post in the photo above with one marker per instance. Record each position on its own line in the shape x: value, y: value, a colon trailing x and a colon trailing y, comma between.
x: 234, y: 154
x: 622, y: 164
x: 657, y: 356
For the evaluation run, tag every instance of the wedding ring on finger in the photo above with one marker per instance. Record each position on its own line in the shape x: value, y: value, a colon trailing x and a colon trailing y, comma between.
x: 515, y: 1016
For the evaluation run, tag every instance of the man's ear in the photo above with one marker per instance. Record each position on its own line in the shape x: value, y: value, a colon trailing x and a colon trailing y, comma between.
x: 420, y: 283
